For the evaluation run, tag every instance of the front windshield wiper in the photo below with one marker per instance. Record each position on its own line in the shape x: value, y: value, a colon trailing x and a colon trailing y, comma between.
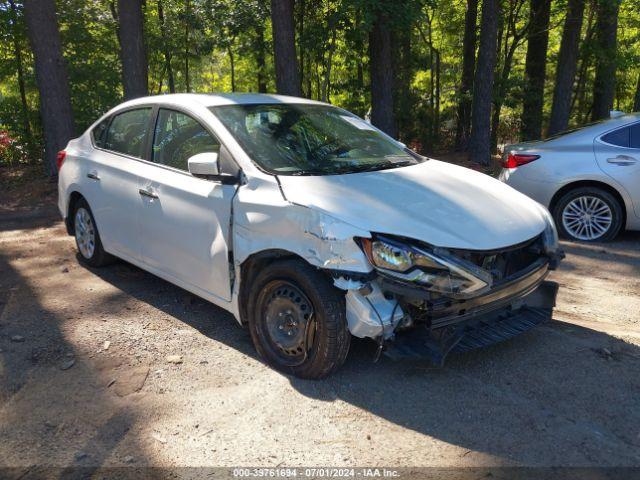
x: 299, y: 173
x: 376, y: 167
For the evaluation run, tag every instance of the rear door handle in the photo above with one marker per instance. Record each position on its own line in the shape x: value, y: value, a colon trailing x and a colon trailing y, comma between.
x: 147, y: 193
x: 622, y: 160
x: 93, y: 176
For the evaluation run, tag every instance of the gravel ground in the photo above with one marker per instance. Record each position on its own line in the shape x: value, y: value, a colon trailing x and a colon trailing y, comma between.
x: 117, y: 367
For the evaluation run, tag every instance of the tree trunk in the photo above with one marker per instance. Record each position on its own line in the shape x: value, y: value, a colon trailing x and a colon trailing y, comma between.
x: 404, y: 73
x: 133, y: 51
x: 381, y: 71
x: 17, y: 52
x: 535, y: 69
x: 479, y: 142
x: 636, y: 103
x: 301, y: 13
x: 463, y: 127
x: 579, y: 98
x: 567, y: 67
x: 187, y: 80
x: 604, y: 85
x: 286, y: 60
x: 51, y: 77
x: 166, y: 49
x: 260, y: 59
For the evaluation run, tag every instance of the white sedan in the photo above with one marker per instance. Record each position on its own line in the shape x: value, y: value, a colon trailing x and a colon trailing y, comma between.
x: 589, y: 178
x: 309, y: 225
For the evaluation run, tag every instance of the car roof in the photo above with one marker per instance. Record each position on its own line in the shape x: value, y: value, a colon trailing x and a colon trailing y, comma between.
x: 217, y: 99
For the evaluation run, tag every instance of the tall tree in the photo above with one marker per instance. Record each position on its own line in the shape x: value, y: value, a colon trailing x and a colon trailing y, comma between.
x: 286, y: 60
x: 133, y: 52
x: 463, y: 125
x: 535, y: 69
x: 479, y: 142
x: 567, y: 67
x: 166, y: 48
x: 510, y: 37
x: 17, y: 53
x: 604, y: 85
x: 381, y: 72
x: 636, y: 101
x: 51, y: 77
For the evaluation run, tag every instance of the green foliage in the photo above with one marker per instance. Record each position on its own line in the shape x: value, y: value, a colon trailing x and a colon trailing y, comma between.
x: 224, y: 45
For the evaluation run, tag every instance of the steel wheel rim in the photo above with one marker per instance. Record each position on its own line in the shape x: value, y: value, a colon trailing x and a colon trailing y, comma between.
x: 587, y: 217
x: 288, y: 322
x: 85, y: 233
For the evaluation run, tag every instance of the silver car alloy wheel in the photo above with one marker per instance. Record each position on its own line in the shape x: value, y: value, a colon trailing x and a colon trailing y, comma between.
x: 85, y: 233
x: 587, y: 217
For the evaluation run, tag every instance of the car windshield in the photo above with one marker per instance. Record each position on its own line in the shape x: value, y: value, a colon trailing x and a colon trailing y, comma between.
x: 302, y: 139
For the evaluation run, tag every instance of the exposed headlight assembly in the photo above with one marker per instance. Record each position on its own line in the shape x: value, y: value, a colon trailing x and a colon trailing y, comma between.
x: 433, y: 268
x: 550, y: 235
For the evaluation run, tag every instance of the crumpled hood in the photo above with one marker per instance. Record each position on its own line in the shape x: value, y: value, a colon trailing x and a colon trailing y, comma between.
x: 442, y: 204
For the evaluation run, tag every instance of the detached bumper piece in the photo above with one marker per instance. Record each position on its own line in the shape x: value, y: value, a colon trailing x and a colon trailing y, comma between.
x: 478, y: 332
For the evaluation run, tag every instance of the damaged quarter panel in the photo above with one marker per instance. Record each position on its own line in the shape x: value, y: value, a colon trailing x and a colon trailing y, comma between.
x: 264, y: 220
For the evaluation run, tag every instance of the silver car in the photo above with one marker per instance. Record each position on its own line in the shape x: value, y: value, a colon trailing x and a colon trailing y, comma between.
x: 589, y: 178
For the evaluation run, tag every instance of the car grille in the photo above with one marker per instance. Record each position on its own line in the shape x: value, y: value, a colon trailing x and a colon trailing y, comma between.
x: 506, y: 262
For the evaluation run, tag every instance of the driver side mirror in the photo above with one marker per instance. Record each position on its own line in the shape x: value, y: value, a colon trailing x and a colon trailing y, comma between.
x: 204, y: 164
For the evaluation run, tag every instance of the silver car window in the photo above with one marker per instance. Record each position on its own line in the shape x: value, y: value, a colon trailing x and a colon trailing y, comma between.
x: 619, y: 137
x: 634, y: 141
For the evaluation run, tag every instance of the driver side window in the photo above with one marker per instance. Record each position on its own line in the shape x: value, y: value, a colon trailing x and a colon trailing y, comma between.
x: 177, y: 137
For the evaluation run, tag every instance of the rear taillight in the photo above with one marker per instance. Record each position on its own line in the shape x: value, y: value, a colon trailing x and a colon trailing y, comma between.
x: 60, y: 159
x: 514, y: 160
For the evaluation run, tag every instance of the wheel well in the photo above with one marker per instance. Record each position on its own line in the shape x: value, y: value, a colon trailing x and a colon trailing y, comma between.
x: 251, y: 267
x: 74, y: 198
x: 590, y: 183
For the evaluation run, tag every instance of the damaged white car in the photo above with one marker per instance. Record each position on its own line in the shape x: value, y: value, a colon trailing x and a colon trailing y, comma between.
x: 310, y: 226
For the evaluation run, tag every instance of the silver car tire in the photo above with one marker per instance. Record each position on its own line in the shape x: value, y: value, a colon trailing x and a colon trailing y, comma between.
x: 88, y: 241
x: 588, y: 214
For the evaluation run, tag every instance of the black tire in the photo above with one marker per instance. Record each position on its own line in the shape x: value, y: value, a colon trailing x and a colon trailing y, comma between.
x: 97, y: 257
x: 617, y: 215
x: 326, y: 337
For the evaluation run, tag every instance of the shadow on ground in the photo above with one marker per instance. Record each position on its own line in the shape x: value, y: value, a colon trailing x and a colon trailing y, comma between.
x: 559, y: 395
x: 43, y: 379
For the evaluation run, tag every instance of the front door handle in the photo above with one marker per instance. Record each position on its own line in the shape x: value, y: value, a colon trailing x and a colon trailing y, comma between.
x: 93, y: 176
x: 147, y: 193
x: 622, y: 160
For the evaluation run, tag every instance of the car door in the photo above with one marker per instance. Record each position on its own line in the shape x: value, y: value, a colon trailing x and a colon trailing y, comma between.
x: 185, y: 220
x: 618, y: 155
x: 112, y: 179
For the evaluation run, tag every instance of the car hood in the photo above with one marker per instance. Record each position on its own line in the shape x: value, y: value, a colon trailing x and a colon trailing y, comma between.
x: 439, y: 203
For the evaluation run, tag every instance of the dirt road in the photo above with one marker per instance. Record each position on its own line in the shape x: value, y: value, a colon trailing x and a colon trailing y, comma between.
x: 85, y: 380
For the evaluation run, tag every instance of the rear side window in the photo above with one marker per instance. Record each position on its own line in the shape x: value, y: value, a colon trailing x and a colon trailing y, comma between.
x: 99, y: 133
x: 635, y: 135
x: 619, y: 138
x: 178, y: 137
x: 128, y: 131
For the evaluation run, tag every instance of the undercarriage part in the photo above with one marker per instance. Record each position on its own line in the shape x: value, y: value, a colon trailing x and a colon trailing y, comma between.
x: 370, y: 314
x: 481, y: 331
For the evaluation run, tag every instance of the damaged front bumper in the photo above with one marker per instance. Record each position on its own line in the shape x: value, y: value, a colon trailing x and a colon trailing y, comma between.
x: 410, y: 322
x: 435, y: 342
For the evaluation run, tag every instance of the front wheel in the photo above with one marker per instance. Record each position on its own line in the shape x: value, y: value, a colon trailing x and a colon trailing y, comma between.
x: 297, y: 320
x: 588, y: 214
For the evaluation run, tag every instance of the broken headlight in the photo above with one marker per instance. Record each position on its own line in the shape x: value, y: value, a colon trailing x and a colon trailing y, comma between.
x: 550, y: 235
x: 430, y: 267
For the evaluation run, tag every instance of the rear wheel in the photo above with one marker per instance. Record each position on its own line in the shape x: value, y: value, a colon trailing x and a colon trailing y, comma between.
x: 87, y: 237
x: 588, y: 214
x: 297, y: 320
